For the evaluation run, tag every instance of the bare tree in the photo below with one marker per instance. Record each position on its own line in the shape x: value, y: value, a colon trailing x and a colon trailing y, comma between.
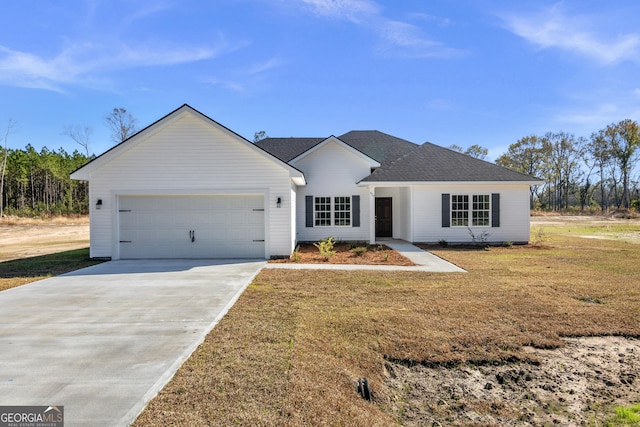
x: 81, y: 135
x: 122, y: 124
x: 599, y: 153
x: 475, y: 150
x: 259, y: 136
x: 3, y: 165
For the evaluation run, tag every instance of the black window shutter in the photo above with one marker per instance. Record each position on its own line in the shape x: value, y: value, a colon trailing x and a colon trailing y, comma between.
x: 308, y: 201
x: 355, y: 211
x: 495, y: 210
x: 446, y: 217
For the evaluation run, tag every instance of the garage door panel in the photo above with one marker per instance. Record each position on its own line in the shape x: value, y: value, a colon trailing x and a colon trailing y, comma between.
x: 160, y: 227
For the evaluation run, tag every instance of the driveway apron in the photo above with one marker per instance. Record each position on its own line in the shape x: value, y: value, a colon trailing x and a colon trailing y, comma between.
x: 104, y: 340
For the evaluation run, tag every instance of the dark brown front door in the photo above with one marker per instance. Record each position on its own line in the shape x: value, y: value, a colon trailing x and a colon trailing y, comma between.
x: 383, y: 217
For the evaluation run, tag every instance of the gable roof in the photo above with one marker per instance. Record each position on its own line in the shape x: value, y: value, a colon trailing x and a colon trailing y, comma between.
x: 379, y: 146
x: 372, y: 163
x: 404, y: 161
x: 287, y: 149
x: 432, y: 163
x: 84, y: 172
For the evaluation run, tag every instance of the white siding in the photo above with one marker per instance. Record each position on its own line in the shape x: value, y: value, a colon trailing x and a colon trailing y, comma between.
x: 190, y: 156
x: 332, y: 170
x: 514, y: 213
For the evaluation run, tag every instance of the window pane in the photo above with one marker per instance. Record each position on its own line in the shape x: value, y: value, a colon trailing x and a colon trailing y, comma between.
x: 481, y: 210
x: 342, y: 210
x: 459, y: 210
x: 322, y: 207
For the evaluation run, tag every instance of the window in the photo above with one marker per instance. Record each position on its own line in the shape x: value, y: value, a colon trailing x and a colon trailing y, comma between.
x: 342, y: 210
x: 322, y: 211
x: 460, y: 210
x: 339, y: 211
x: 479, y: 210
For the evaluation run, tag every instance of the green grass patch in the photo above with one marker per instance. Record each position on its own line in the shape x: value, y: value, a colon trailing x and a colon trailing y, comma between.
x: 621, y: 416
x: 26, y: 270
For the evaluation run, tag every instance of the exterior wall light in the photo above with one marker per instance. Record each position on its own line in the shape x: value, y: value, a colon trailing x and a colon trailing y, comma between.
x: 99, y: 204
x: 279, y: 202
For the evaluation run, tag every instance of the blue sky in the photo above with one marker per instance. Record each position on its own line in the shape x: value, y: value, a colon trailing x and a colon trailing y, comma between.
x: 459, y: 72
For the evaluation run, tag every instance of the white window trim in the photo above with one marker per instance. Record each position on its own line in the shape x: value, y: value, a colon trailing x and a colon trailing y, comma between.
x: 469, y: 211
x: 333, y: 211
x: 316, y: 203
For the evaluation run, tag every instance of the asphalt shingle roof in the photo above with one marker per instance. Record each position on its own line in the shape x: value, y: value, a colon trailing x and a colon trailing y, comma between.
x: 379, y: 146
x: 401, y: 160
x: 287, y: 149
x: 430, y: 162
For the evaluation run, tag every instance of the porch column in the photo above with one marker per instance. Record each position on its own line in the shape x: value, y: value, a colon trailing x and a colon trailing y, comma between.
x: 372, y: 215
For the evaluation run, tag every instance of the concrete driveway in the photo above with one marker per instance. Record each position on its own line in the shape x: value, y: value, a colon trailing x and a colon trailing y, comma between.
x: 104, y: 340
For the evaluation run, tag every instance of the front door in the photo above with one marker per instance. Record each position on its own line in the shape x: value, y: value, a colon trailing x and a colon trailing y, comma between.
x: 383, y: 217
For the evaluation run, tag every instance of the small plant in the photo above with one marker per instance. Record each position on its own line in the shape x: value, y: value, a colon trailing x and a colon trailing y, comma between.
x: 325, y: 247
x: 359, y: 251
x: 539, y: 236
x: 507, y: 244
x: 385, y: 256
x: 479, y: 239
x: 296, y: 254
x: 443, y: 243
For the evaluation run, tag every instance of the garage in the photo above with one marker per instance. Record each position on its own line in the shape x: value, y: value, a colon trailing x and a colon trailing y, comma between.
x: 194, y: 226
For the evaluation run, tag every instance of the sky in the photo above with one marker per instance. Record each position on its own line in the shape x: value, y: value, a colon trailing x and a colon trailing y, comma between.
x: 461, y: 72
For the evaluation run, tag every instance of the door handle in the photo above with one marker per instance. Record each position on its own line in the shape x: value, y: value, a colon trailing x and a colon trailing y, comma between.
x: 192, y: 235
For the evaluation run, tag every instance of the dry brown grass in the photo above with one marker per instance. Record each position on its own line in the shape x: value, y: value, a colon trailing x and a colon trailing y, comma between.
x: 290, y: 351
x: 54, y: 220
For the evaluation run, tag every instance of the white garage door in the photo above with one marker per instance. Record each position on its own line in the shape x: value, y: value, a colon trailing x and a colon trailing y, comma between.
x: 191, y: 227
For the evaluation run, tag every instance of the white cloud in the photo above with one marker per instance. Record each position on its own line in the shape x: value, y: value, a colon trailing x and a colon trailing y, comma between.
x: 552, y: 28
x: 401, y: 39
x: 83, y: 63
x: 265, y: 66
x: 352, y: 10
x: 586, y: 119
x: 398, y: 39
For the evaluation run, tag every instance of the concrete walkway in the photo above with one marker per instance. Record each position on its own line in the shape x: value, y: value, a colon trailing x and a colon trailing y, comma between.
x: 425, y: 261
x: 102, y: 341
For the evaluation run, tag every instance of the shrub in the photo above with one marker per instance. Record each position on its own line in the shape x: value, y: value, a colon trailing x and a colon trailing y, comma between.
x: 443, y: 243
x: 359, y: 251
x: 325, y: 247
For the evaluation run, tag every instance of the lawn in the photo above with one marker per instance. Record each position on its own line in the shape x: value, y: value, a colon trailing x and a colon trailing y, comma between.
x: 26, y: 270
x: 292, y: 348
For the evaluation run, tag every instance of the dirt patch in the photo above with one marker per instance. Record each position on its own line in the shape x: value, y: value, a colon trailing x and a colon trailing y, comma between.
x: 23, y: 238
x: 347, y: 253
x: 572, y: 385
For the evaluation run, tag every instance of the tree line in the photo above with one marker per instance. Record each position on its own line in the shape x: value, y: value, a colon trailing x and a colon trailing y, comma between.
x: 586, y: 173
x: 38, y: 183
